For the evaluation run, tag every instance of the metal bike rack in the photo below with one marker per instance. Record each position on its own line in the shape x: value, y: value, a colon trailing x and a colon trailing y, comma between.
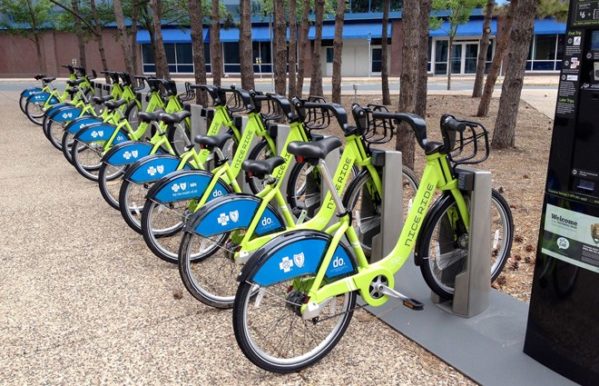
x: 199, y: 119
x: 392, y: 213
x: 472, y: 285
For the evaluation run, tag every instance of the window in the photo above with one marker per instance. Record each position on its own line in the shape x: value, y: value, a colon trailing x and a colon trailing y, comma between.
x: 376, y: 60
x: 440, y: 57
x: 231, y: 57
x: 545, y: 53
x: 262, y: 59
x: 178, y: 56
x: 330, y: 54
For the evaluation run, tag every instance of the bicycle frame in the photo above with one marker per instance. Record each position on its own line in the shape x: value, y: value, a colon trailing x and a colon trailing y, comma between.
x: 435, y: 176
x: 353, y: 153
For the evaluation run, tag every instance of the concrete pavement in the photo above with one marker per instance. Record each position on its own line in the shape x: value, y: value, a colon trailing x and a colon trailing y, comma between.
x: 82, y: 300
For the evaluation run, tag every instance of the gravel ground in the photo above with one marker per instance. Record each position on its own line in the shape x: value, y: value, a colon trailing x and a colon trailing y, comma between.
x: 82, y: 300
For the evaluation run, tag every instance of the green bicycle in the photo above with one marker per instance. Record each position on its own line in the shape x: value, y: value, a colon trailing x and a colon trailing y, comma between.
x: 211, y: 251
x: 297, y: 294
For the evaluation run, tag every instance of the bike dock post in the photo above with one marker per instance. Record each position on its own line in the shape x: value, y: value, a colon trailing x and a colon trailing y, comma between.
x: 279, y: 133
x: 391, y: 212
x: 472, y: 285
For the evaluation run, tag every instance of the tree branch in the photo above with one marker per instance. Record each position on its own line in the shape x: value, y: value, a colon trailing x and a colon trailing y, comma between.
x: 91, y: 28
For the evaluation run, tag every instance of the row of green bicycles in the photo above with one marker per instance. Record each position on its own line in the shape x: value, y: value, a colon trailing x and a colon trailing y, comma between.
x: 254, y: 214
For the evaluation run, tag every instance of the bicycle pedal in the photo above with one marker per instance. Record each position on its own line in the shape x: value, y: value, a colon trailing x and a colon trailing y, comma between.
x: 413, y: 304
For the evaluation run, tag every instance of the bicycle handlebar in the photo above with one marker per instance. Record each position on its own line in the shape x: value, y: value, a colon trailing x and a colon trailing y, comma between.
x: 335, y: 108
x: 417, y: 123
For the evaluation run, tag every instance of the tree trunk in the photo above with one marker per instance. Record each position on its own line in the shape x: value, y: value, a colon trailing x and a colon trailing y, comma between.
x: 504, y: 135
x: 133, y: 34
x: 196, y: 17
x: 337, y: 52
x: 384, y: 54
x: 162, y: 70
x: 79, y: 33
x: 409, y: 77
x: 38, y: 49
x: 98, y: 34
x: 500, y: 49
x: 422, y: 83
x: 449, y: 47
x: 316, y: 76
x: 303, y: 47
x: 246, y: 55
x: 123, y: 38
x: 280, y: 47
x: 484, y: 48
x: 216, y: 59
x: 292, y: 48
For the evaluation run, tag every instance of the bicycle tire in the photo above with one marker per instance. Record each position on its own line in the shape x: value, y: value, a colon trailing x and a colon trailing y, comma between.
x: 215, y: 287
x: 66, y: 144
x: 162, y: 224
x: 129, y: 203
x: 131, y: 114
x: 108, y: 180
x: 286, y: 316
x: 367, y: 216
x: 256, y: 185
x: 440, y: 275
x: 54, y: 132
x: 298, y: 198
x: 34, y: 116
x: 179, y: 136
x: 90, y: 168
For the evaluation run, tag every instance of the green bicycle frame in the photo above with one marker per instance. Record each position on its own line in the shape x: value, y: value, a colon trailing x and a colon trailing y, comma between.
x: 354, y: 153
x: 435, y: 176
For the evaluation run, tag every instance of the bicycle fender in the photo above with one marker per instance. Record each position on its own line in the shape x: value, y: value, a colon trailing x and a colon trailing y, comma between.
x: 41, y: 97
x: 426, y: 224
x: 77, y: 124
x: 65, y: 114
x: 28, y: 91
x: 225, y: 214
x: 295, y: 254
x: 54, y: 109
x: 101, y: 132
x: 152, y: 168
x: 185, y: 185
x: 127, y: 153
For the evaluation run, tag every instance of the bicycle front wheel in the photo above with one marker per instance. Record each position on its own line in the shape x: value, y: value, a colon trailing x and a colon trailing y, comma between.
x: 179, y: 137
x: 445, y: 244
x: 365, y: 203
x: 35, y: 112
x: 273, y: 335
x: 87, y: 158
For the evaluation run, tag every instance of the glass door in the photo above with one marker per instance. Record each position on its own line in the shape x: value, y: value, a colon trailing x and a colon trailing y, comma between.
x: 471, y: 57
x: 456, y: 58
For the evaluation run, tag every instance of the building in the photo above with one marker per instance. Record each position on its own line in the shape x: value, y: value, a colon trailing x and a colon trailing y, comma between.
x: 361, y: 50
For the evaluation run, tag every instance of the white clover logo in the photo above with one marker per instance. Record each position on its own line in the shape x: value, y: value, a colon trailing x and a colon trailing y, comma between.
x: 223, y: 219
x: 175, y: 188
x: 152, y: 171
x: 286, y: 264
x: 126, y: 155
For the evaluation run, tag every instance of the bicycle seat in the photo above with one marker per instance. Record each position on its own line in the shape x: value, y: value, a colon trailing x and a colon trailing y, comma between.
x: 212, y: 141
x: 48, y: 79
x: 312, y: 151
x: 262, y: 168
x: 175, y: 117
x: 75, y: 82
x: 101, y: 99
x: 112, y: 105
x: 145, y: 116
x: 39, y: 76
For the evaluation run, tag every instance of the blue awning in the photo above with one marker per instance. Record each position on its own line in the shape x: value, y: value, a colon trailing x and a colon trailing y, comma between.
x: 169, y: 36
x: 549, y: 27
x: 471, y: 28
x: 259, y: 34
x: 352, y: 31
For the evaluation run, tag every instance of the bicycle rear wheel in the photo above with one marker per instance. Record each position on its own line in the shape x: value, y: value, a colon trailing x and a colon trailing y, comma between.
x: 35, y: 112
x: 272, y: 333
x: 87, y: 158
x: 109, y: 181
x: 444, y: 245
